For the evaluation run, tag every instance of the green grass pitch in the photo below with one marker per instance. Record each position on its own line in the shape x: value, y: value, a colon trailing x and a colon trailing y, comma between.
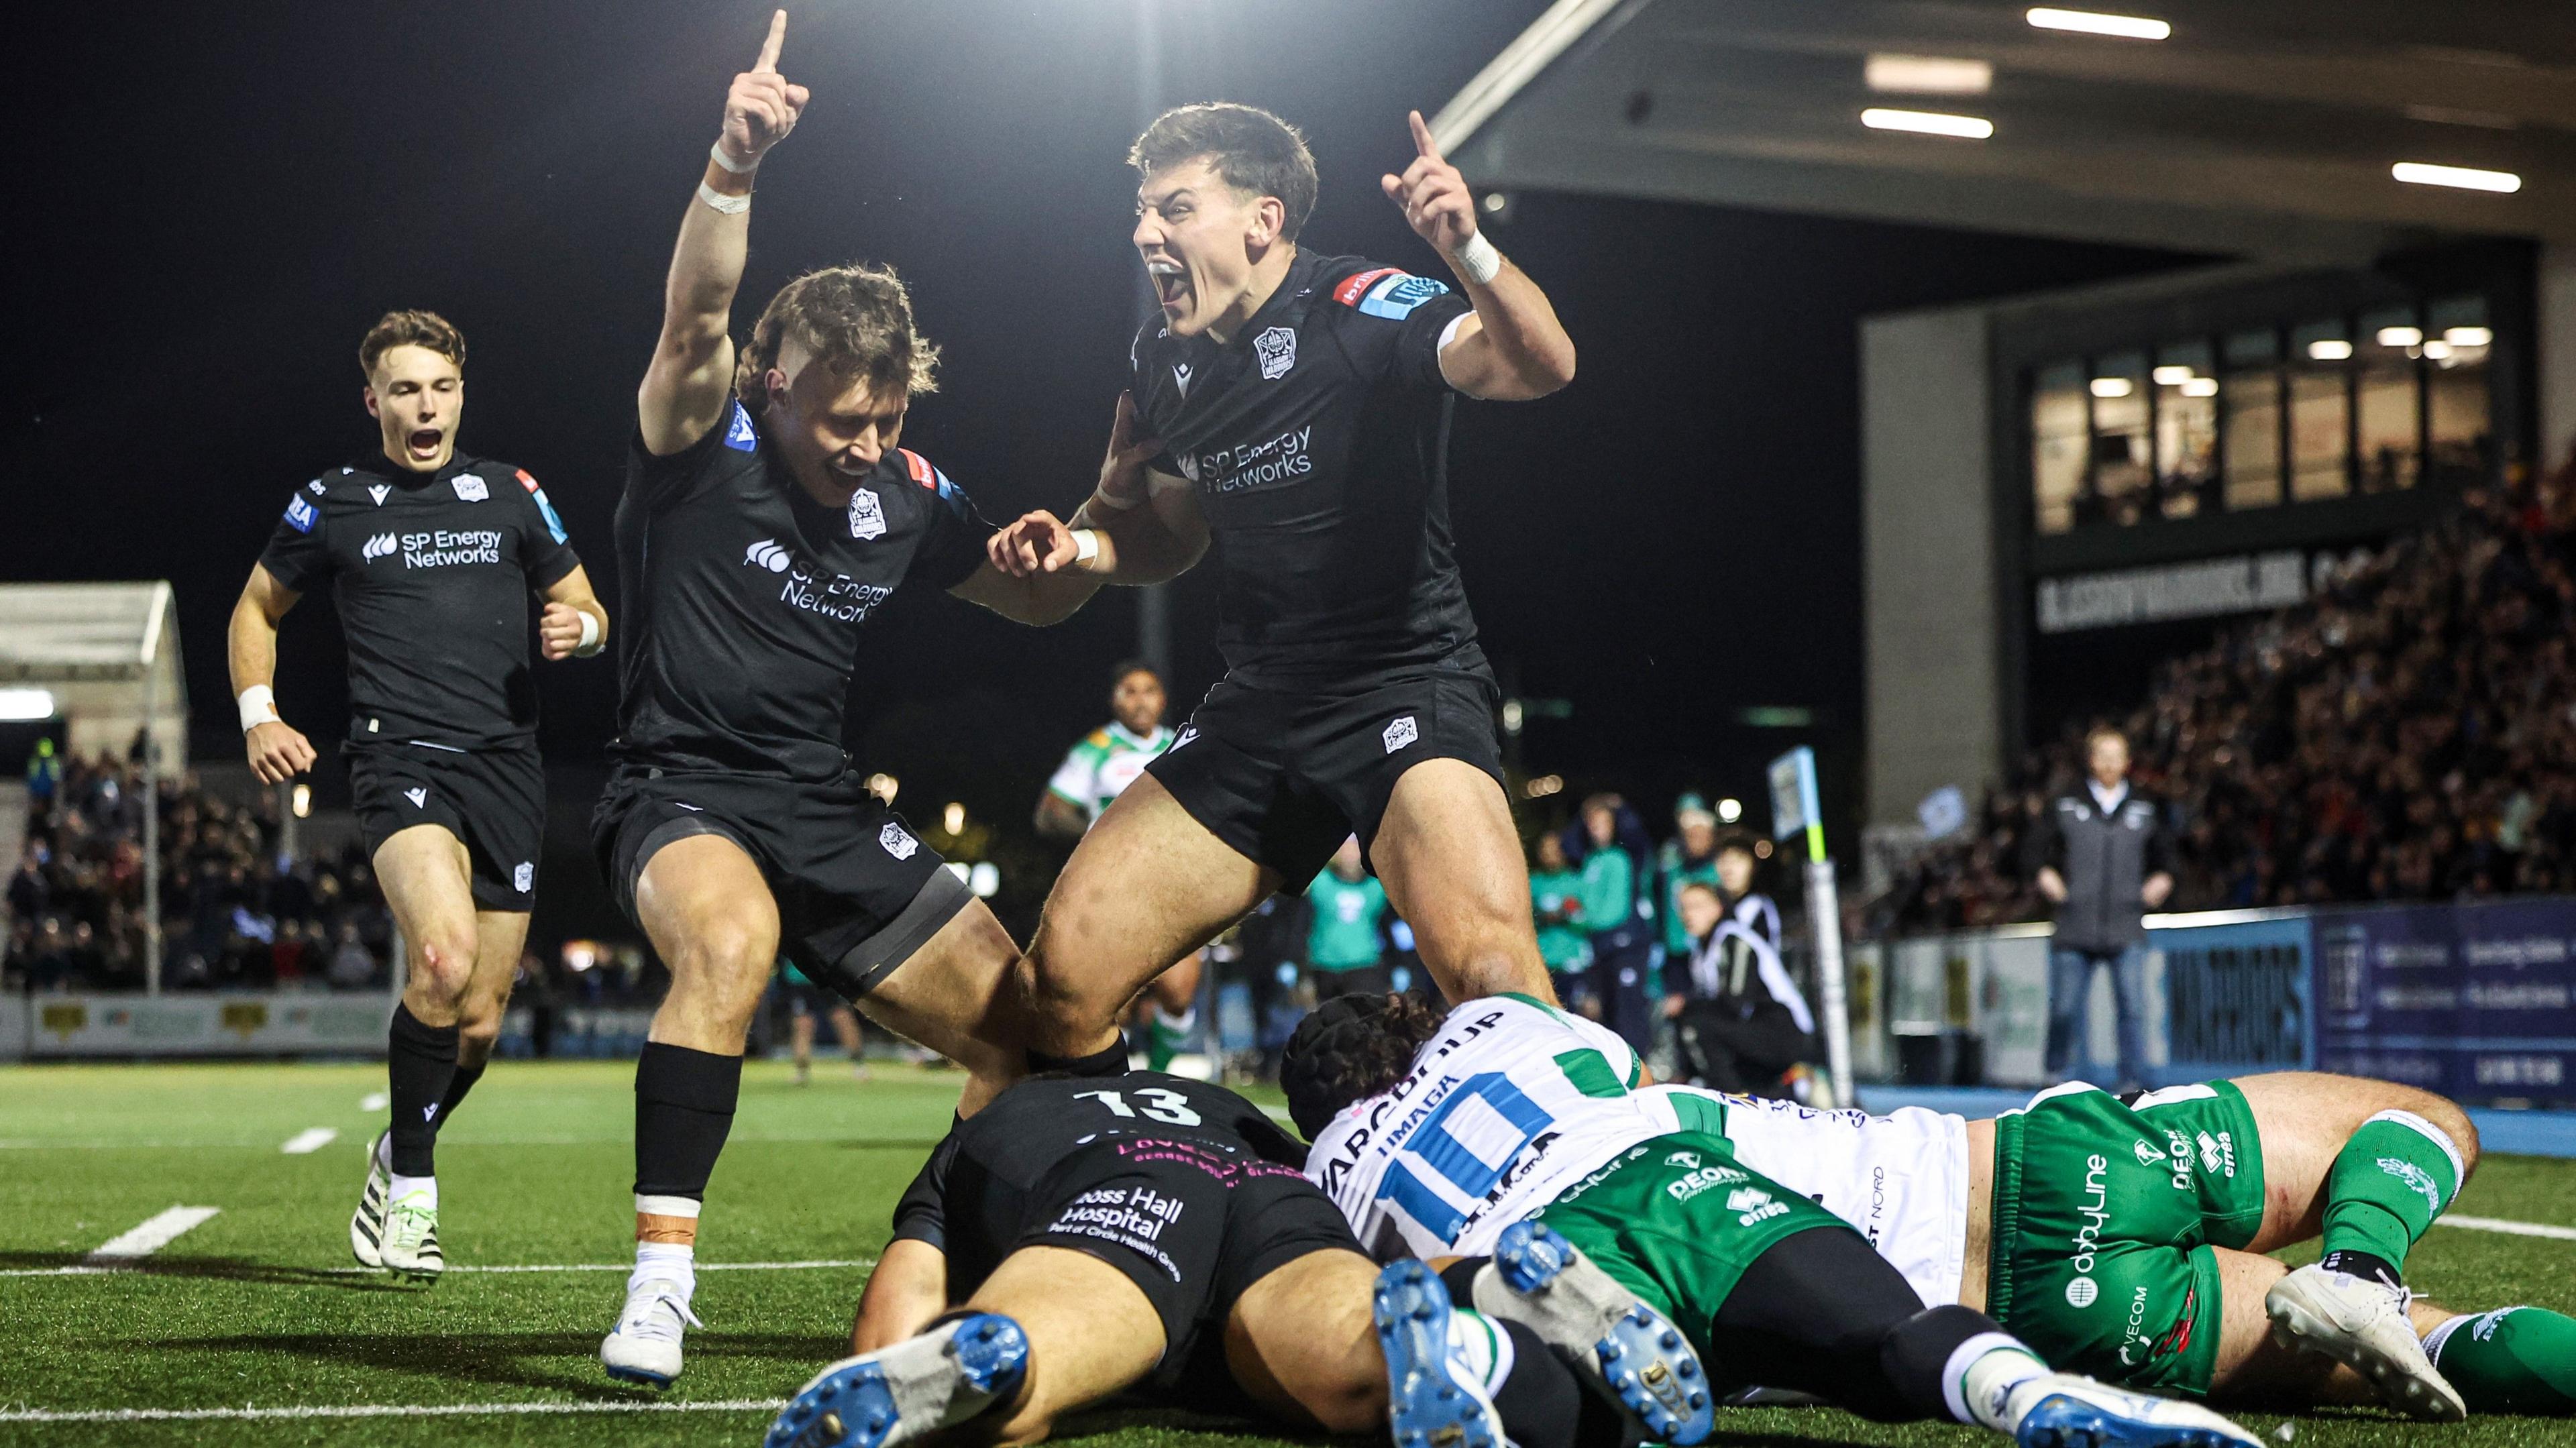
x: 260, y: 1305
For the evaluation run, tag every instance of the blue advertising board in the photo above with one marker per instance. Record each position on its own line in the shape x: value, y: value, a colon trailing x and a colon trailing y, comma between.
x: 2236, y: 997
x: 2476, y: 1001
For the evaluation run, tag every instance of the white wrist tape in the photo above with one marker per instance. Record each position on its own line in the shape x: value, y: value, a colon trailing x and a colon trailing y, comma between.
x: 1103, y: 498
x: 1477, y: 261
x: 729, y: 205
x: 1086, y: 545
x: 717, y: 151
x: 258, y: 706
x: 589, y: 638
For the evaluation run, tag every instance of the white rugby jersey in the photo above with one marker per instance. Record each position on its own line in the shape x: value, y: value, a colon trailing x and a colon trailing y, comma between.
x: 1901, y: 1179
x: 1513, y: 1102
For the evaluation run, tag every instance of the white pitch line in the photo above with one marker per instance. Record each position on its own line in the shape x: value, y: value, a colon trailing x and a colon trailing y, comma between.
x: 374, y: 1101
x: 380, y: 1410
x: 153, y: 1235
x: 309, y: 1140
x: 2518, y: 1229
x: 812, y: 1265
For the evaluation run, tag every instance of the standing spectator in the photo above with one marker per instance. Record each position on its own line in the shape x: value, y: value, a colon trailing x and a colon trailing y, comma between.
x: 1622, y: 943
x: 1556, y: 904
x: 2104, y: 859
x: 29, y: 894
x: 44, y: 775
x: 1346, y: 949
x: 1739, y: 1020
x: 1691, y: 855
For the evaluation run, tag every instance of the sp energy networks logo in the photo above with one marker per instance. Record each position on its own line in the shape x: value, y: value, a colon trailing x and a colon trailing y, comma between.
x: 805, y: 586
x: 380, y: 546
x: 436, y: 547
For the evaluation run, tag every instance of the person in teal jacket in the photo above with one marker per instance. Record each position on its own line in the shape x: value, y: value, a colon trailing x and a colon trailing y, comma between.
x: 1346, y: 947
x: 1690, y: 857
x: 1556, y: 904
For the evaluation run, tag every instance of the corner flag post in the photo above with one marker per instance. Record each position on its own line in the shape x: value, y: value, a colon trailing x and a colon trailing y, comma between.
x: 1794, y: 811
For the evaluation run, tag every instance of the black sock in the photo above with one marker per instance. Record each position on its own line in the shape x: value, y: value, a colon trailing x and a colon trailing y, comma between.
x: 457, y: 1085
x: 2363, y: 1265
x: 1110, y: 1060
x: 420, y: 1061
x: 684, y: 1104
x: 1540, y: 1402
x: 1918, y: 1352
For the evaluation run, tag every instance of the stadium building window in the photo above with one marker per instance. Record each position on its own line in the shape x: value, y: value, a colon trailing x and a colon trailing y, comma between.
x: 2320, y: 411
x: 2122, y: 442
x: 2186, y: 422
x: 2249, y: 393
x: 2459, y: 423
x: 2058, y: 439
x: 2387, y: 419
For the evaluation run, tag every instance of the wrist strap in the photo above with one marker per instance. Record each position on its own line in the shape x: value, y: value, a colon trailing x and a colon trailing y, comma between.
x: 589, y: 636
x: 1477, y: 261
x: 1086, y: 545
x: 258, y: 706
x: 739, y: 168
x: 729, y: 205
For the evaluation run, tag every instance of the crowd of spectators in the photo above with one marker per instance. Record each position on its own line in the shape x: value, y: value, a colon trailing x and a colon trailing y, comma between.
x: 2406, y: 734
x: 236, y: 911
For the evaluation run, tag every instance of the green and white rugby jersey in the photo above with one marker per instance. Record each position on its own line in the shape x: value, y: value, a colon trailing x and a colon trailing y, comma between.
x: 1106, y: 761
x: 1512, y: 1103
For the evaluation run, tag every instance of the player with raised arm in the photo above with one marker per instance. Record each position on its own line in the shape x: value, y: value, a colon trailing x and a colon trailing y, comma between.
x: 767, y: 513
x: 1096, y: 771
x: 1298, y: 408
x: 1507, y: 1128
x: 431, y: 555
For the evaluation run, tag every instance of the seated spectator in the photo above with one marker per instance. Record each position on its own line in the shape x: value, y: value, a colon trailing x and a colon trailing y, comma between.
x: 1739, y: 1021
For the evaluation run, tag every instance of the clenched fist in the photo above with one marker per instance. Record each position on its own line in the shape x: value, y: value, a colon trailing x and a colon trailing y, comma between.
x: 277, y: 753
x: 559, y: 630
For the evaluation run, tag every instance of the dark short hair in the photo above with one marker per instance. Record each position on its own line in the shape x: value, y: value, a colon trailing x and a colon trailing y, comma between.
x: 1118, y: 675
x: 1735, y: 840
x: 1350, y: 1048
x: 1702, y: 886
x: 410, y: 329
x: 1255, y: 151
x: 855, y: 319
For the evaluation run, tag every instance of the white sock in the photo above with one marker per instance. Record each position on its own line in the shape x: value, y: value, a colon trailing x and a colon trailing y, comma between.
x: 1180, y: 1024
x: 404, y: 1186
x: 1477, y: 1345
x: 671, y: 1262
x: 385, y: 1152
x: 1980, y: 1377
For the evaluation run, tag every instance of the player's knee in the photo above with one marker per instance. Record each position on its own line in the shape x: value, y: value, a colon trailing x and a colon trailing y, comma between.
x: 444, y: 960
x: 476, y: 1033
x: 1055, y: 990
x: 1352, y: 1402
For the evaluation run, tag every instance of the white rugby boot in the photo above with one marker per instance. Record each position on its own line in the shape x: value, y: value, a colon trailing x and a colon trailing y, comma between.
x: 367, y: 1223
x: 409, y: 1248
x: 2062, y: 1410
x: 2363, y: 1324
x: 645, y: 1348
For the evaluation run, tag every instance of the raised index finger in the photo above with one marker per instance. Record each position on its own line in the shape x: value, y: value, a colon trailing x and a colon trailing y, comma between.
x: 1422, y: 142
x: 769, y: 48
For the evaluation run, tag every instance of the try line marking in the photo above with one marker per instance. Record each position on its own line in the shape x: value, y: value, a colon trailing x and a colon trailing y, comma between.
x: 378, y: 1410
x: 154, y: 1234
x: 2499, y: 1224
x: 811, y: 1265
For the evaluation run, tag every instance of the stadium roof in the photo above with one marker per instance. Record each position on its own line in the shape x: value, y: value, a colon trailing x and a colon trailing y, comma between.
x: 2265, y: 130
x: 109, y: 652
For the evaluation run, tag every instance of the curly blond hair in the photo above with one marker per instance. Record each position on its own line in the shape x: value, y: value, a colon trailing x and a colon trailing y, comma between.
x: 855, y: 319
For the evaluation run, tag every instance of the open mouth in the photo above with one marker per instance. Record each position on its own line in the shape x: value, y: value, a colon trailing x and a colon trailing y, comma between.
x: 423, y: 442
x: 1171, y: 284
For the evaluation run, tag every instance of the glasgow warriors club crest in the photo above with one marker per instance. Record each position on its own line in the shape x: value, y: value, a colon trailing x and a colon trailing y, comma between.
x: 1277, y: 349
x: 867, y: 514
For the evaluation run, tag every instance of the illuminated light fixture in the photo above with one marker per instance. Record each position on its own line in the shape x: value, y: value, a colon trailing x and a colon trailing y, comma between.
x: 2401, y: 336
x: 26, y: 705
x: 2172, y: 376
x: 954, y: 817
x: 882, y: 786
x: 2436, y: 350
x: 1495, y: 201
x: 2331, y: 349
x: 2094, y: 22
x: 1730, y: 810
x: 2113, y: 387
x: 2200, y: 387
x: 1928, y: 75
x: 303, y: 801
x: 1928, y: 123
x: 2466, y: 178
x: 1543, y: 786
x: 2467, y: 336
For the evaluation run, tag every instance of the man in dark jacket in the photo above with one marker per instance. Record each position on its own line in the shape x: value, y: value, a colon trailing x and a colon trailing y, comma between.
x: 1739, y: 1020
x: 2104, y: 859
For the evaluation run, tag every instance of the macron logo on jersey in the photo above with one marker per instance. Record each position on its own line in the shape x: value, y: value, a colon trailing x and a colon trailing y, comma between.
x: 301, y: 514
x: 739, y: 434
x: 377, y: 491
x: 1388, y: 292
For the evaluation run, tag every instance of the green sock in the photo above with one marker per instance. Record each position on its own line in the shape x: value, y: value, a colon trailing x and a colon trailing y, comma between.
x: 2511, y: 1360
x: 2387, y: 1185
x: 1168, y: 1038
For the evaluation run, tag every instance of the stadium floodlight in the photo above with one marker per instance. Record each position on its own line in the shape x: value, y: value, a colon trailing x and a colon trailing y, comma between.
x: 2201, y: 387
x: 2330, y: 349
x: 2113, y: 387
x: 2436, y: 350
x: 1730, y: 810
x: 882, y: 786
x: 2172, y: 375
x: 303, y: 805
x: 1928, y: 75
x: 21, y: 706
x: 2094, y: 22
x: 2401, y: 336
x: 2468, y: 336
x: 2465, y: 178
x: 954, y: 818
x: 1928, y: 123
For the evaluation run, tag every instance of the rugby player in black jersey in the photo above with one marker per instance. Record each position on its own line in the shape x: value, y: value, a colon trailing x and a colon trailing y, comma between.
x: 767, y: 513
x: 1079, y: 1237
x: 1301, y: 406
x: 431, y: 555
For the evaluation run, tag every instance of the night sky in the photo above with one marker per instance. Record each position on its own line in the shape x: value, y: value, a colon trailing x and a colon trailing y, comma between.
x: 214, y: 203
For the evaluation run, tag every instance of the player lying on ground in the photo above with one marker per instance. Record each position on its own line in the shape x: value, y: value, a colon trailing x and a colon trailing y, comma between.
x: 1460, y: 1136
x: 431, y: 555
x: 767, y: 515
x: 2123, y: 1236
x: 1080, y: 1236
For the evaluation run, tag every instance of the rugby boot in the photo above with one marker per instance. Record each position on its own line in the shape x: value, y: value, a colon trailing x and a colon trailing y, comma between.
x: 916, y: 1387
x: 1432, y: 1400
x: 367, y: 1223
x: 2362, y: 1323
x: 645, y: 1348
x: 2061, y: 1410
x: 409, y: 1248
x: 1623, y: 1347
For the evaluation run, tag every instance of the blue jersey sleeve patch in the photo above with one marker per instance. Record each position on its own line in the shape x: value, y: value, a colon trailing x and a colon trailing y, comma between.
x: 738, y: 432
x: 301, y: 515
x: 1394, y: 297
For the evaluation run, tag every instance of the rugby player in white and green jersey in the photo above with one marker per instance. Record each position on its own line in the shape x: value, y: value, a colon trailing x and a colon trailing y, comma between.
x: 1508, y: 1138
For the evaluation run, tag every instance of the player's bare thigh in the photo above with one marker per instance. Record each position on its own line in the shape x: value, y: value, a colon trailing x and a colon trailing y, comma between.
x: 1301, y: 1343
x: 428, y: 882
x: 1981, y: 1214
x: 710, y: 916
x: 1451, y: 864
x: 2305, y: 1118
x: 1147, y: 885
x: 1091, y: 1332
x: 953, y: 995
x: 2254, y: 1371
x: 1176, y: 990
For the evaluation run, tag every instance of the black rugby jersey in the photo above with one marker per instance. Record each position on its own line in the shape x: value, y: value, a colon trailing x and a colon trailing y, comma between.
x: 742, y: 598
x: 431, y: 573
x: 978, y: 1194
x: 1317, y: 439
